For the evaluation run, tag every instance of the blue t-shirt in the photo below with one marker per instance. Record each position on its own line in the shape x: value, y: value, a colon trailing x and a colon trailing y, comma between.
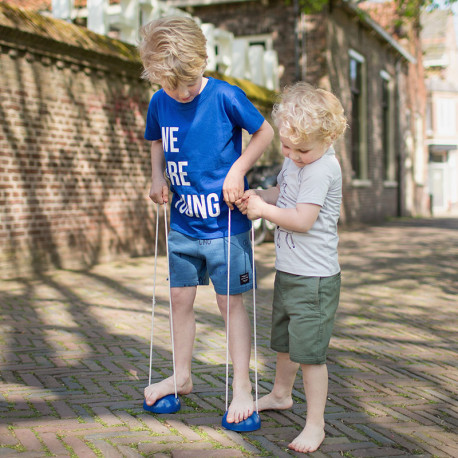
x: 201, y: 140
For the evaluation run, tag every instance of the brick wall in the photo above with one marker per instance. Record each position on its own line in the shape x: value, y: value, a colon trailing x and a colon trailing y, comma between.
x: 74, y: 167
x: 376, y: 200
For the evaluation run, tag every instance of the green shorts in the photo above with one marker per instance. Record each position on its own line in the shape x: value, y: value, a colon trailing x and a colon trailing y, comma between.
x: 303, y: 315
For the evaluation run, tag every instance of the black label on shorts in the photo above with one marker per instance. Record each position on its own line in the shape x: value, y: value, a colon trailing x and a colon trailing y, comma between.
x: 245, y: 278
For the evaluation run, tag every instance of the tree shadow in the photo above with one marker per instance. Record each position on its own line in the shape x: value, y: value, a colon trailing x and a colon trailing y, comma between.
x: 76, y: 346
x: 392, y: 356
x: 64, y: 326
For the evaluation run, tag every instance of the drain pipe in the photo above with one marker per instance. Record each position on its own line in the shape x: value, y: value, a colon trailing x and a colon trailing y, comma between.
x: 297, y: 50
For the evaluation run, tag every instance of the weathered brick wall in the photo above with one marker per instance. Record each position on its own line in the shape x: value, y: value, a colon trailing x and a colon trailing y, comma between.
x: 74, y: 166
x: 375, y: 201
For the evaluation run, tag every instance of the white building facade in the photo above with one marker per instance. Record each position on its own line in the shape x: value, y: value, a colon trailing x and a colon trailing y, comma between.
x: 441, y: 69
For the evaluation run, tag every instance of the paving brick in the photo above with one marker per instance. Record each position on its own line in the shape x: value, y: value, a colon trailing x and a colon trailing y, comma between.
x: 63, y: 409
x: 129, y: 452
x: 152, y: 448
x: 206, y: 453
x: 129, y: 420
x: 349, y: 432
x: 7, y: 437
x: 106, y: 416
x: 374, y: 434
x: 28, y: 439
x: 218, y: 436
x: 187, y: 432
x: 270, y: 447
x: 107, y: 449
x: 375, y: 452
x: 54, y: 445
x: 242, y: 442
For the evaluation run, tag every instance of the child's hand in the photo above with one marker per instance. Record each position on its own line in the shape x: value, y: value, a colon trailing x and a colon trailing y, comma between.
x: 159, y: 192
x: 254, y: 206
x: 233, y: 187
x: 242, y: 203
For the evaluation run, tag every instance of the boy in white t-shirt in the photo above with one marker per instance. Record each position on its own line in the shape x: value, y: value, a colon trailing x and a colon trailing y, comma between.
x: 305, y: 206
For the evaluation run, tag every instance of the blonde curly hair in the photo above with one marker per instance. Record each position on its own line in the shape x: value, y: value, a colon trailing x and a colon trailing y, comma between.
x: 305, y: 111
x: 172, y: 49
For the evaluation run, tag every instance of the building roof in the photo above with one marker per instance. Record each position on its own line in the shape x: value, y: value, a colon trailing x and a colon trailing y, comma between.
x: 372, y: 20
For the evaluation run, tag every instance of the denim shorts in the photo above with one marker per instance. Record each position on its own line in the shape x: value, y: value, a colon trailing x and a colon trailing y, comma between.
x: 303, y: 315
x: 193, y: 261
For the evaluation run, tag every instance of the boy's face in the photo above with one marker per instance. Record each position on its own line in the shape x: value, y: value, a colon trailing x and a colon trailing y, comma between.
x: 185, y: 92
x: 303, y: 153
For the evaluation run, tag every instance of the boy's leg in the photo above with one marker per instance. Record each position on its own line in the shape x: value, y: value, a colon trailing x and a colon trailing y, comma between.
x: 285, y: 375
x: 242, y: 405
x: 184, y: 330
x: 316, y: 391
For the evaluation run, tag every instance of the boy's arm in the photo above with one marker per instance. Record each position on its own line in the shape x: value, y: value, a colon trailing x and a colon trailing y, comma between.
x: 298, y: 219
x: 159, y: 191
x: 233, y: 186
x: 269, y: 195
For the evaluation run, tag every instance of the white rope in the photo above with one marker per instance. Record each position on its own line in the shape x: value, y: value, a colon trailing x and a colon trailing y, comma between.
x: 254, y: 313
x: 154, y: 298
x: 170, y: 301
x: 227, y: 303
x: 254, y: 322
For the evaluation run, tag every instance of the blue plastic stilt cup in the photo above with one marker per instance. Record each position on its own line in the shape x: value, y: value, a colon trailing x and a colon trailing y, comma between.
x: 252, y: 423
x: 167, y: 404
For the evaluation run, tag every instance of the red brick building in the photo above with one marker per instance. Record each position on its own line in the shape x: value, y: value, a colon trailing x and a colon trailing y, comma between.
x: 74, y: 168
x: 379, y: 81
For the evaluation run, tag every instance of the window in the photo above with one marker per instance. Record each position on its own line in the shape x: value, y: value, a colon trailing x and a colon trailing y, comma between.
x: 429, y: 117
x: 446, y: 116
x: 264, y: 40
x: 358, y: 121
x: 387, y: 128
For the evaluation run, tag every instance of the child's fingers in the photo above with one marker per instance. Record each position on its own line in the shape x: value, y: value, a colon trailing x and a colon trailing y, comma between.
x: 228, y: 202
x: 232, y: 195
x: 165, y: 194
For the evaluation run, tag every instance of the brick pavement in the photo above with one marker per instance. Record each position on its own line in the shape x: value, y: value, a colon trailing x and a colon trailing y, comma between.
x: 75, y: 347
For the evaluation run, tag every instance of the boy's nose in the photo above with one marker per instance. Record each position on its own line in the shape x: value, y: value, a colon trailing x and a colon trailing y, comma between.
x: 183, y: 92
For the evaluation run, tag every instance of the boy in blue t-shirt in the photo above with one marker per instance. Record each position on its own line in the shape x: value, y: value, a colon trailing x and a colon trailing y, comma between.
x: 195, y: 128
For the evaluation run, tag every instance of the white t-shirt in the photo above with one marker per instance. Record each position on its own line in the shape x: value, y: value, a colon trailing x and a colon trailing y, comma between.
x: 312, y: 253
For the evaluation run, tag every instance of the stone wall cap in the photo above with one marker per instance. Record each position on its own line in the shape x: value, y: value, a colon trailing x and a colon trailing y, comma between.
x: 16, y: 20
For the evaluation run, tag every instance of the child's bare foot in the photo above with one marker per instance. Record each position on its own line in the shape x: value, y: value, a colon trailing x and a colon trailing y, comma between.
x: 158, y: 390
x: 242, y: 406
x: 308, y: 440
x: 272, y: 402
